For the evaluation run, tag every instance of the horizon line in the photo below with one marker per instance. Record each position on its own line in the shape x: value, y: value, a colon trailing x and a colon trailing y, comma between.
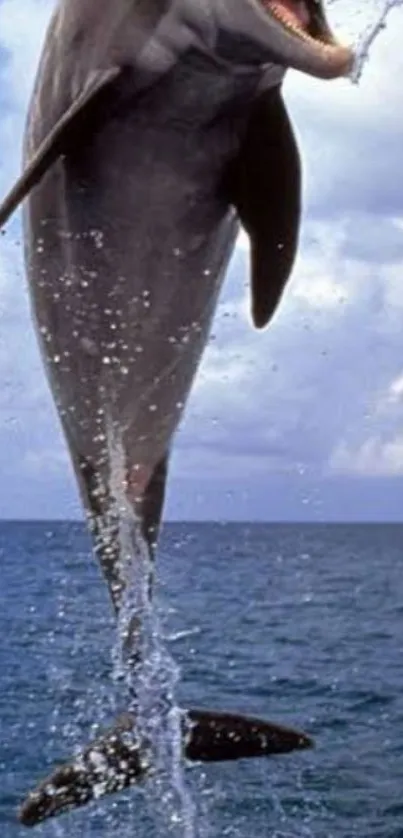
x: 226, y: 522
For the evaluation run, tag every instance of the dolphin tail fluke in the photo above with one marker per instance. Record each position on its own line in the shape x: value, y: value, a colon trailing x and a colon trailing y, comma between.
x: 117, y: 759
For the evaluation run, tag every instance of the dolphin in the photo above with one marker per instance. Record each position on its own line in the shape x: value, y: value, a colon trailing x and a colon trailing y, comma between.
x: 155, y: 129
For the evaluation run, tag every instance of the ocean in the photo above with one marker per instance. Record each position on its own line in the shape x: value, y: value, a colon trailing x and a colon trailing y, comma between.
x: 300, y: 624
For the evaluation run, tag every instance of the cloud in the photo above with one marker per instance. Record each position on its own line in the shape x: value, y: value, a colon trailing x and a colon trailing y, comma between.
x: 308, y: 389
x: 372, y: 458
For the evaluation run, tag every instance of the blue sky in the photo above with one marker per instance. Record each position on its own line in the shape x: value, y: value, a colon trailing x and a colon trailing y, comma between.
x: 303, y: 421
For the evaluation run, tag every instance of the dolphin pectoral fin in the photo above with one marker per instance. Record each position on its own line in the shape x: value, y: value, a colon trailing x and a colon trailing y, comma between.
x: 118, y: 759
x: 264, y: 185
x: 70, y: 126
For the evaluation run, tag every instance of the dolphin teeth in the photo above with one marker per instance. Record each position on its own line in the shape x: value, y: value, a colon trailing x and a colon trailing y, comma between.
x: 296, y: 22
x: 294, y: 17
x: 290, y: 21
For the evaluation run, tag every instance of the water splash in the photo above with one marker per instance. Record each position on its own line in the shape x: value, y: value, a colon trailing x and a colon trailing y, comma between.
x: 143, y: 663
x: 360, y: 26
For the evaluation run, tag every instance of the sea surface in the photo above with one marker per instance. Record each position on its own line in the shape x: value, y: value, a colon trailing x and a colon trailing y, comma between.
x: 299, y: 624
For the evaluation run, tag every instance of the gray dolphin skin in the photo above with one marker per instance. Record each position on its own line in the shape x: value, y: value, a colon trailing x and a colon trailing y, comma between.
x: 156, y: 128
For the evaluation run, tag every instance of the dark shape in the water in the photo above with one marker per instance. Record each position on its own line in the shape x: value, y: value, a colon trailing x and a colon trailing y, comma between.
x: 116, y: 760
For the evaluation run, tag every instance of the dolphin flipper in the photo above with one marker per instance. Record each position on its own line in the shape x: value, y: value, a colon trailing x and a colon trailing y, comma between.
x: 71, y: 125
x: 265, y: 188
x: 117, y: 760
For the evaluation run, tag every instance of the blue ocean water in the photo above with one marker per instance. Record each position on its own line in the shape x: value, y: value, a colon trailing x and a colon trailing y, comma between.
x: 299, y: 624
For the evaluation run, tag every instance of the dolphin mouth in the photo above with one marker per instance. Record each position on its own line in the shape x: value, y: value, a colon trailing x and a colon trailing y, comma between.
x: 305, y: 21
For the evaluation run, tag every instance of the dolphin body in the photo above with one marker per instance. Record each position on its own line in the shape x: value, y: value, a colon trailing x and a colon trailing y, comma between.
x: 156, y: 128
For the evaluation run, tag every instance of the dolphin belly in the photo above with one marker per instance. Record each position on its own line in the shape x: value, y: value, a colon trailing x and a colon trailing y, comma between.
x: 127, y: 241
x: 125, y: 302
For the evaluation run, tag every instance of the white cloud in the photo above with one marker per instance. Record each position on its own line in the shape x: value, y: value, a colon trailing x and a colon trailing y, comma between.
x: 315, y: 377
x: 396, y: 389
x: 373, y: 458
x: 394, y: 289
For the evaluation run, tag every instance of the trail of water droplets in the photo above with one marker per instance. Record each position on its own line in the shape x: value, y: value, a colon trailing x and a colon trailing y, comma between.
x: 361, y: 25
x: 369, y: 36
x: 143, y: 663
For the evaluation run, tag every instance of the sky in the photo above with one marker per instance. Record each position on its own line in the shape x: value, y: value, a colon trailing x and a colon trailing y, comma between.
x: 304, y: 420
